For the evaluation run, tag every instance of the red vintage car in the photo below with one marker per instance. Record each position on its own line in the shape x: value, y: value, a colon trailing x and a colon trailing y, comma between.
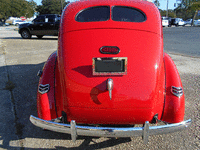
x: 110, y: 70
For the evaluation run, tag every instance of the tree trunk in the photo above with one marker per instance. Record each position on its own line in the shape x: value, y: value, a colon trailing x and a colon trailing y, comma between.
x: 192, y: 24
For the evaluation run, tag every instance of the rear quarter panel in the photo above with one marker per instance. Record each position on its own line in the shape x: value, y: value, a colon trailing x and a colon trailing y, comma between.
x: 174, y: 108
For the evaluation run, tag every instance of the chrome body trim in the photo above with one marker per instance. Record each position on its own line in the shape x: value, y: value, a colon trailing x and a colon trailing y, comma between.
x: 73, y: 130
x: 76, y: 130
x: 109, y: 52
x: 40, y: 72
x: 146, y: 132
x: 43, y: 88
x: 110, y: 87
x: 177, y: 91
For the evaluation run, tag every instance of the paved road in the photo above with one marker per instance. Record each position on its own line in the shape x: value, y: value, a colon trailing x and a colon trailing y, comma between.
x: 182, y: 40
x: 21, y: 59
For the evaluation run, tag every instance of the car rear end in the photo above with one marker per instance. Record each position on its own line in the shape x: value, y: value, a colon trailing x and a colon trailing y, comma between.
x: 165, y: 22
x: 181, y: 22
x: 197, y: 22
x: 110, y: 70
x: 102, y: 43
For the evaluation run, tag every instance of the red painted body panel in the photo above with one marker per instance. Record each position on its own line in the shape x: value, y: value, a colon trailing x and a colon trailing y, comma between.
x: 84, y: 97
x: 137, y: 90
x: 174, y: 106
x: 46, y: 102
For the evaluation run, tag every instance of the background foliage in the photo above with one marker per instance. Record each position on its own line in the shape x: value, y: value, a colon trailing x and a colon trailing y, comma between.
x: 16, y: 8
x: 51, y: 6
x: 186, y: 9
x: 27, y: 8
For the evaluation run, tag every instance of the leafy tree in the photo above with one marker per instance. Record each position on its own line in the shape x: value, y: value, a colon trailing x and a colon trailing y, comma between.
x: 195, y: 6
x: 157, y: 3
x: 5, y: 9
x: 188, y: 9
x: 51, y: 6
x: 171, y: 13
x: 30, y: 8
x: 16, y: 8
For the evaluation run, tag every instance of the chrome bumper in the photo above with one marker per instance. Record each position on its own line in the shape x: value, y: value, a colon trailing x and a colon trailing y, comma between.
x: 76, y: 130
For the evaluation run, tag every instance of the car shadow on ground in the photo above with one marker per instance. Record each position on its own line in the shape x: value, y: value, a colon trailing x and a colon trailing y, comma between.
x: 23, y: 89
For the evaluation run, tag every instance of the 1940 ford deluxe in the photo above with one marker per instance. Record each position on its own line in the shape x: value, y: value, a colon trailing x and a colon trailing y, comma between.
x: 110, y: 70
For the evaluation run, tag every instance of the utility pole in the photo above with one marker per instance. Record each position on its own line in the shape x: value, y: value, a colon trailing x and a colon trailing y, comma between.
x: 61, y: 5
x: 167, y: 8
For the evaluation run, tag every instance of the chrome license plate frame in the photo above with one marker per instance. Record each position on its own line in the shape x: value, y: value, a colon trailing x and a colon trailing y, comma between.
x: 109, y: 66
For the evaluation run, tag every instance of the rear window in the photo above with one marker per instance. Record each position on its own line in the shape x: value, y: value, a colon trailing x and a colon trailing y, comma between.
x: 127, y: 14
x: 100, y: 13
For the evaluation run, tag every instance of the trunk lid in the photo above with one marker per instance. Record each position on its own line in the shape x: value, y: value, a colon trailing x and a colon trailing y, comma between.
x: 141, y: 90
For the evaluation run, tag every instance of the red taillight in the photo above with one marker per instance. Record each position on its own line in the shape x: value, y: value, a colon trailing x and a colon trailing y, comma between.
x: 109, y: 50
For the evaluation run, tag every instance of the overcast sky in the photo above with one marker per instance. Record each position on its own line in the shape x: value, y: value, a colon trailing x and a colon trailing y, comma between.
x: 163, y: 3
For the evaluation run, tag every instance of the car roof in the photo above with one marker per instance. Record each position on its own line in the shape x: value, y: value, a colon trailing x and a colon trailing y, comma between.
x: 152, y: 23
x: 49, y: 15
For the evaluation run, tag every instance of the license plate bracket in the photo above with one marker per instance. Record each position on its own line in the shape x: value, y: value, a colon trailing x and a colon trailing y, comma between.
x: 110, y: 66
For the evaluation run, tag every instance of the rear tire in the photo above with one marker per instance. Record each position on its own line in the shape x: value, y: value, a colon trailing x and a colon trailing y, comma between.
x: 39, y: 36
x: 25, y: 34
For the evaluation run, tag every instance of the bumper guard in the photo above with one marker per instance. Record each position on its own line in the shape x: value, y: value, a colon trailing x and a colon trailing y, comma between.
x: 76, y: 130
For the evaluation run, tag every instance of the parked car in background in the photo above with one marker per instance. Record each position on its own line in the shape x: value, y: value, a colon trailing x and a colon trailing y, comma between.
x: 197, y: 22
x: 109, y: 73
x: 177, y: 22
x: 18, y: 22
x: 170, y: 21
x: 181, y: 22
x: 8, y: 22
x: 42, y: 25
x: 165, y: 22
x: 188, y: 22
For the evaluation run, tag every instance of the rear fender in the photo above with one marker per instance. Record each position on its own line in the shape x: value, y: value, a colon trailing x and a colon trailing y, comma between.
x: 174, y: 106
x: 46, y: 104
